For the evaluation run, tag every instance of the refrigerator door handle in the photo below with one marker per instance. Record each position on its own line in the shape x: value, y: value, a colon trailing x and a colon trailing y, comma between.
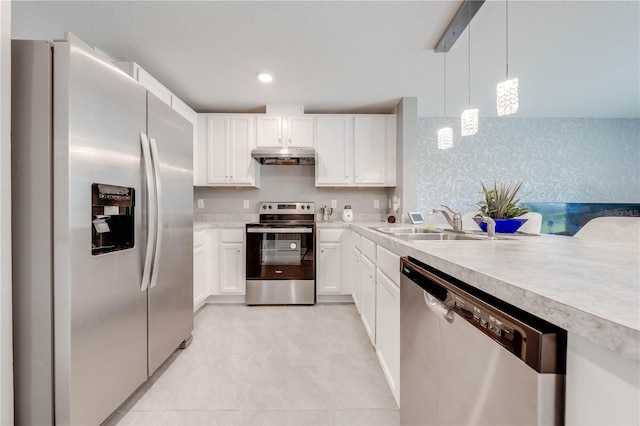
x: 159, y: 221
x: 151, y: 212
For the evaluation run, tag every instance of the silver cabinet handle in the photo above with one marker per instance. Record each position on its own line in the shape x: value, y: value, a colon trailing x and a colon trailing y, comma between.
x: 151, y: 212
x: 158, y: 207
x: 438, y: 307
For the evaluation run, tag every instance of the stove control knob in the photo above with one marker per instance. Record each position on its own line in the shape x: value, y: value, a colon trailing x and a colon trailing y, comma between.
x: 264, y: 207
x: 308, y: 207
x: 270, y: 206
x: 302, y: 207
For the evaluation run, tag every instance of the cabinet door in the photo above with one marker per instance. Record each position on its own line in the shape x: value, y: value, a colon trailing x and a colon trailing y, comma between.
x: 388, y: 331
x: 329, y: 272
x: 200, y: 269
x: 269, y: 131
x: 299, y: 132
x: 333, y: 146
x: 231, y: 268
x: 370, y: 139
x: 355, y: 278
x: 368, y: 297
x: 217, y: 149
x: 242, y: 141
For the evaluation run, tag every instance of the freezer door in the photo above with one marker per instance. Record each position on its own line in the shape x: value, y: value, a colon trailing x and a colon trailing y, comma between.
x: 171, y: 286
x: 100, y: 314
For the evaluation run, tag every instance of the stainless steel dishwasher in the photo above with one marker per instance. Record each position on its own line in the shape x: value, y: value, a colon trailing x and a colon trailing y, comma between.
x: 468, y: 358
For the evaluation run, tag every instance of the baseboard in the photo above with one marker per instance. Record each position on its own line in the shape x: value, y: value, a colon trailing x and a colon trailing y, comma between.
x: 334, y: 298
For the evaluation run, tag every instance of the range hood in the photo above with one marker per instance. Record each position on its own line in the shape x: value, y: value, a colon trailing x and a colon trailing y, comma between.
x: 287, y: 157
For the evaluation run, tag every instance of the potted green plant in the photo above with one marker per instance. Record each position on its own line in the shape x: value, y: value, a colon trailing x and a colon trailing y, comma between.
x: 500, y: 204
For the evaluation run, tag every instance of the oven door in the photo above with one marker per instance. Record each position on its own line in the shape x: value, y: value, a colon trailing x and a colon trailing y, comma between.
x: 280, y: 253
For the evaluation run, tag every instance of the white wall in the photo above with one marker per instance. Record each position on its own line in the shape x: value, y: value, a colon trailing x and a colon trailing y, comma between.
x: 6, y: 353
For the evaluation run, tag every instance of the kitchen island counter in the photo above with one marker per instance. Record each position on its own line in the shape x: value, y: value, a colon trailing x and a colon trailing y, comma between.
x: 591, y: 289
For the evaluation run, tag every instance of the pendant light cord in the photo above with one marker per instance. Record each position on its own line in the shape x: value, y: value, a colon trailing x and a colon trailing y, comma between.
x: 445, y: 82
x: 507, y: 34
x: 469, y: 51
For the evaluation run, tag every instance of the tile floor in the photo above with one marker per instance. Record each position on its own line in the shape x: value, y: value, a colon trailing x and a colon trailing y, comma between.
x: 268, y: 365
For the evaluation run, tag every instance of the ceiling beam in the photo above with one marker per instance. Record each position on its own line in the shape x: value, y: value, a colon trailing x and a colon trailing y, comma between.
x: 462, y: 18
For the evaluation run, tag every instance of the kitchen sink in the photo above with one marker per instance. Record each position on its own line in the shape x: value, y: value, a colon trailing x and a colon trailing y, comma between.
x: 442, y: 236
x: 391, y: 230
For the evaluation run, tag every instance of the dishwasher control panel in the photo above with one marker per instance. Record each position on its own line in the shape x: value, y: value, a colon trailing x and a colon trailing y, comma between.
x: 490, y: 323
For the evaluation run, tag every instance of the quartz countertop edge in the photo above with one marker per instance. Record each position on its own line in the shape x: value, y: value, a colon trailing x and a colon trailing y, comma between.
x: 564, y: 299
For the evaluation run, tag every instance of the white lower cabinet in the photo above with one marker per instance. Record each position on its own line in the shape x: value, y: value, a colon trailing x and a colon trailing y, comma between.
x: 200, y: 268
x: 232, y: 258
x: 328, y: 277
x: 227, y: 263
x: 368, y: 297
x: 388, y: 331
x: 329, y: 261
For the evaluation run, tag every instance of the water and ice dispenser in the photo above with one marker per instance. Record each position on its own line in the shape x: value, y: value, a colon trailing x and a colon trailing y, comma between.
x: 112, y: 219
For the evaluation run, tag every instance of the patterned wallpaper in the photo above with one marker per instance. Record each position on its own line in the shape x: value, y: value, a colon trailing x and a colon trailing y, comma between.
x: 559, y: 160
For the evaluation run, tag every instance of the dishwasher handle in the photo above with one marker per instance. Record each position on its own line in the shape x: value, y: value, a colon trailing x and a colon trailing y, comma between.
x: 438, y: 307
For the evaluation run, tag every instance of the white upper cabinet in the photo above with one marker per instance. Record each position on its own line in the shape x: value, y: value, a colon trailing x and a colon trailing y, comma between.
x: 227, y: 141
x: 356, y: 150
x: 374, y: 150
x: 334, y: 150
x: 284, y: 132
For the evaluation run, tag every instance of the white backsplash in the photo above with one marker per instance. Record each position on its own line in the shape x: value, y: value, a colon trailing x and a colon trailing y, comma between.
x: 290, y: 183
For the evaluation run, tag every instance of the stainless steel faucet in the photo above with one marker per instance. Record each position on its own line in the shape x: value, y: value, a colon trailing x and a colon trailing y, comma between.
x: 491, y: 227
x: 455, y: 222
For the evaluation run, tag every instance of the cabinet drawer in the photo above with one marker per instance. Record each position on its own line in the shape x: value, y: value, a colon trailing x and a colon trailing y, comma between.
x: 368, y: 248
x: 199, y: 238
x: 389, y: 263
x: 330, y: 235
x: 232, y: 235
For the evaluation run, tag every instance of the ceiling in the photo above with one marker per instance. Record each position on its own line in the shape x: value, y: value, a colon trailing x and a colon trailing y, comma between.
x: 573, y: 58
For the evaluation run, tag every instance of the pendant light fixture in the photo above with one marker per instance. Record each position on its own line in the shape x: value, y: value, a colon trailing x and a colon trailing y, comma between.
x: 469, y: 117
x: 445, y: 134
x: 507, y: 91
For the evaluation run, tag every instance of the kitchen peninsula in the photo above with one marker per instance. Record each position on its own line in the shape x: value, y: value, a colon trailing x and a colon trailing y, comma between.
x: 591, y: 289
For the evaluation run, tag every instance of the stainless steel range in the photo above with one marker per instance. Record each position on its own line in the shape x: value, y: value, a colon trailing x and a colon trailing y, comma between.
x: 280, y: 255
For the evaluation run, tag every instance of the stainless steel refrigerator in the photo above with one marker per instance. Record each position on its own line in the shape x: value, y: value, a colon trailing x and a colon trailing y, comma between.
x: 102, y: 230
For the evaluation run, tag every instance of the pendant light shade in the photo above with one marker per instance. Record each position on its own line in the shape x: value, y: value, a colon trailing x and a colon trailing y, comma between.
x: 507, y: 100
x: 507, y: 97
x: 469, y: 122
x: 445, y: 138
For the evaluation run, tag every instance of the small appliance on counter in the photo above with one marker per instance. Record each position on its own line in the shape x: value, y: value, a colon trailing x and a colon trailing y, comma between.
x: 326, y: 213
x: 347, y: 214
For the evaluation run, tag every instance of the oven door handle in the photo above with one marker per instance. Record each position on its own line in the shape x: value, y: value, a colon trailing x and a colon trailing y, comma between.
x: 264, y: 230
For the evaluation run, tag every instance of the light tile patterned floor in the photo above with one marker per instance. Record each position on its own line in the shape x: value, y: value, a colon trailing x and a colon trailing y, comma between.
x: 268, y: 365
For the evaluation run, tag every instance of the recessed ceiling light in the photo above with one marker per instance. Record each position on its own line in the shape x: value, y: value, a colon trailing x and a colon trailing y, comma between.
x: 265, y: 78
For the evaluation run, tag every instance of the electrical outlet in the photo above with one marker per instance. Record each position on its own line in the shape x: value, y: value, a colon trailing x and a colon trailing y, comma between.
x: 200, y: 203
x: 334, y: 204
x: 245, y: 204
x: 376, y: 204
